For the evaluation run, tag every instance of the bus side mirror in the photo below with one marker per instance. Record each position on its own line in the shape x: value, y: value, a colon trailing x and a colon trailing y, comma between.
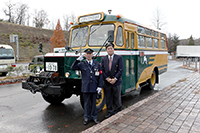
x: 111, y: 34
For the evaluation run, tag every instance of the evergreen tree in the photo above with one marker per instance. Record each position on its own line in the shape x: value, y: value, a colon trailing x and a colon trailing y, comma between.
x: 58, y: 39
x: 191, y: 41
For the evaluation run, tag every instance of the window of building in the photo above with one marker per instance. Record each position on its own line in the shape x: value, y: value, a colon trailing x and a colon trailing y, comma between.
x: 119, y: 39
x: 149, y: 42
x: 141, y: 41
x: 132, y: 40
x: 155, y: 43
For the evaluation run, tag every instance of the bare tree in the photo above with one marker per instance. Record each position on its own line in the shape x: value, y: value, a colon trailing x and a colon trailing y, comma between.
x: 9, y: 12
x: 68, y: 19
x: 16, y: 12
x: 158, y: 19
x: 21, y: 13
x: 66, y: 22
x: 52, y: 24
x: 28, y: 19
x: 173, y: 42
x: 40, y: 19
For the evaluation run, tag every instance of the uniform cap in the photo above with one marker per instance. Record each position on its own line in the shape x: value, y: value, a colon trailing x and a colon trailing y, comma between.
x: 88, y: 51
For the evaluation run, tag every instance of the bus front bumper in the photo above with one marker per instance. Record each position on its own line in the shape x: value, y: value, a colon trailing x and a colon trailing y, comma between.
x: 43, y: 88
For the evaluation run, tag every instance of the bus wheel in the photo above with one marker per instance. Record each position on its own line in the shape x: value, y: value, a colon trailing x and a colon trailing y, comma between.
x: 100, y: 101
x: 53, y: 99
x: 152, y: 81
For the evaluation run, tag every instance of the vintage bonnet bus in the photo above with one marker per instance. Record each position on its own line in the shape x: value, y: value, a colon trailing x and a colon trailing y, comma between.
x: 144, y: 52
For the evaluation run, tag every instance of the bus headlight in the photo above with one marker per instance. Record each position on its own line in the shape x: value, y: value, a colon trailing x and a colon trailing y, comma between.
x: 67, y: 74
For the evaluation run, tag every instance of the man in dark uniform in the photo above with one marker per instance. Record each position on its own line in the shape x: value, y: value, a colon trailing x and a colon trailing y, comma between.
x: 92, y: 82
x: 112, y: 67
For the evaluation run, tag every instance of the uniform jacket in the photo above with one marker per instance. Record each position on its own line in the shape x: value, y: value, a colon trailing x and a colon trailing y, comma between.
x: 116, y: 69
x: 90, y: 82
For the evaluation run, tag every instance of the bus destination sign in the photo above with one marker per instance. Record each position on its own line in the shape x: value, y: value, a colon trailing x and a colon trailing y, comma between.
x: 88, y: 18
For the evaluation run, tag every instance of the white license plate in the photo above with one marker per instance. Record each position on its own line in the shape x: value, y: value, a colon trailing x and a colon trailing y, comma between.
x: 51, y: 66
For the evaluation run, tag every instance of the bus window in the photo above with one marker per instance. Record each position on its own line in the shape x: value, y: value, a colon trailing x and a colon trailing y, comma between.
x: 162, y: 44
x: 127, y: 39
x: 98, y: 34
x: 162, y: 36
x: 127, y: 67
x: 141, y: 30
x: 155, y: 43
x: 119, y: 39
x: 132, y: 66
x: 132, y: 41
x: 79, y: 37
x: 141, y: 41
x: 149, y: 42
x: 149, y: 32
x: 155, y: 34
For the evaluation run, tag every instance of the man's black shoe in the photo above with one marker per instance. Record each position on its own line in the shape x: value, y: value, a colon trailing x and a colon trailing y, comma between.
x: 85, y: 122
x: 109, y: 115
x: 96, y: 121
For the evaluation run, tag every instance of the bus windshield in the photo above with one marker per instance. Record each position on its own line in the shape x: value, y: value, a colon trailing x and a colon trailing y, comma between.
x: 98, y: 34
x: 6, y: 54
x: 79, y: 37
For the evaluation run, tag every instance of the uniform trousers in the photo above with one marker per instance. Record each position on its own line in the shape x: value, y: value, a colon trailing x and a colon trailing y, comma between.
x: 113, y: 97
x: 90, y: 105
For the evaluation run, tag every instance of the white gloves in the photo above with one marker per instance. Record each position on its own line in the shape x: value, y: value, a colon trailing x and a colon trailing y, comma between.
x: 80, y: 57
x: 98, y: 89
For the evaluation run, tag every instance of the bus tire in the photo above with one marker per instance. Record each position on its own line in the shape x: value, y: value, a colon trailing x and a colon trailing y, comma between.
x: 100, y: 102
x: 53, y: 99
x: 152, y: 80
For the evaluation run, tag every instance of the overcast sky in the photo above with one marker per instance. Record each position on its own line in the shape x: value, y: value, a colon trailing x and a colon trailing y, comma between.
x: 181, y: 16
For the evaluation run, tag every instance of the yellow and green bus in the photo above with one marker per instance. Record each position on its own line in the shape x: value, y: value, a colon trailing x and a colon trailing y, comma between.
x: 144, y: 52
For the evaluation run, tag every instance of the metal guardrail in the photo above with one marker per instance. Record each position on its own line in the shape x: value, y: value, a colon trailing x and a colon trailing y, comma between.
x: 189, y: 61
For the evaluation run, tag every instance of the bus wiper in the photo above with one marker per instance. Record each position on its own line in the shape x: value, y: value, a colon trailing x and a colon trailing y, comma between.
x: 96, y: 29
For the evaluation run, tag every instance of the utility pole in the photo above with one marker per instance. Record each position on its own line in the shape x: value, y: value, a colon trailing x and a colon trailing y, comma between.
x: 16, y: 40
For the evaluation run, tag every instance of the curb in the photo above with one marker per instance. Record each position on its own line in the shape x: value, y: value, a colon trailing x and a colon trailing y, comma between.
x: 12, y: 81
x: 127, y: 110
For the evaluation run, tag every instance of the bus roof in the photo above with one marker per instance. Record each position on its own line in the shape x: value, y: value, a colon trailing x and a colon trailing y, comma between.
x: 101, y: 16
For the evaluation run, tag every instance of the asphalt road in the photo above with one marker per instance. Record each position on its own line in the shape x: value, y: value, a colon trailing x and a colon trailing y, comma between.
x: 23, y: 112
